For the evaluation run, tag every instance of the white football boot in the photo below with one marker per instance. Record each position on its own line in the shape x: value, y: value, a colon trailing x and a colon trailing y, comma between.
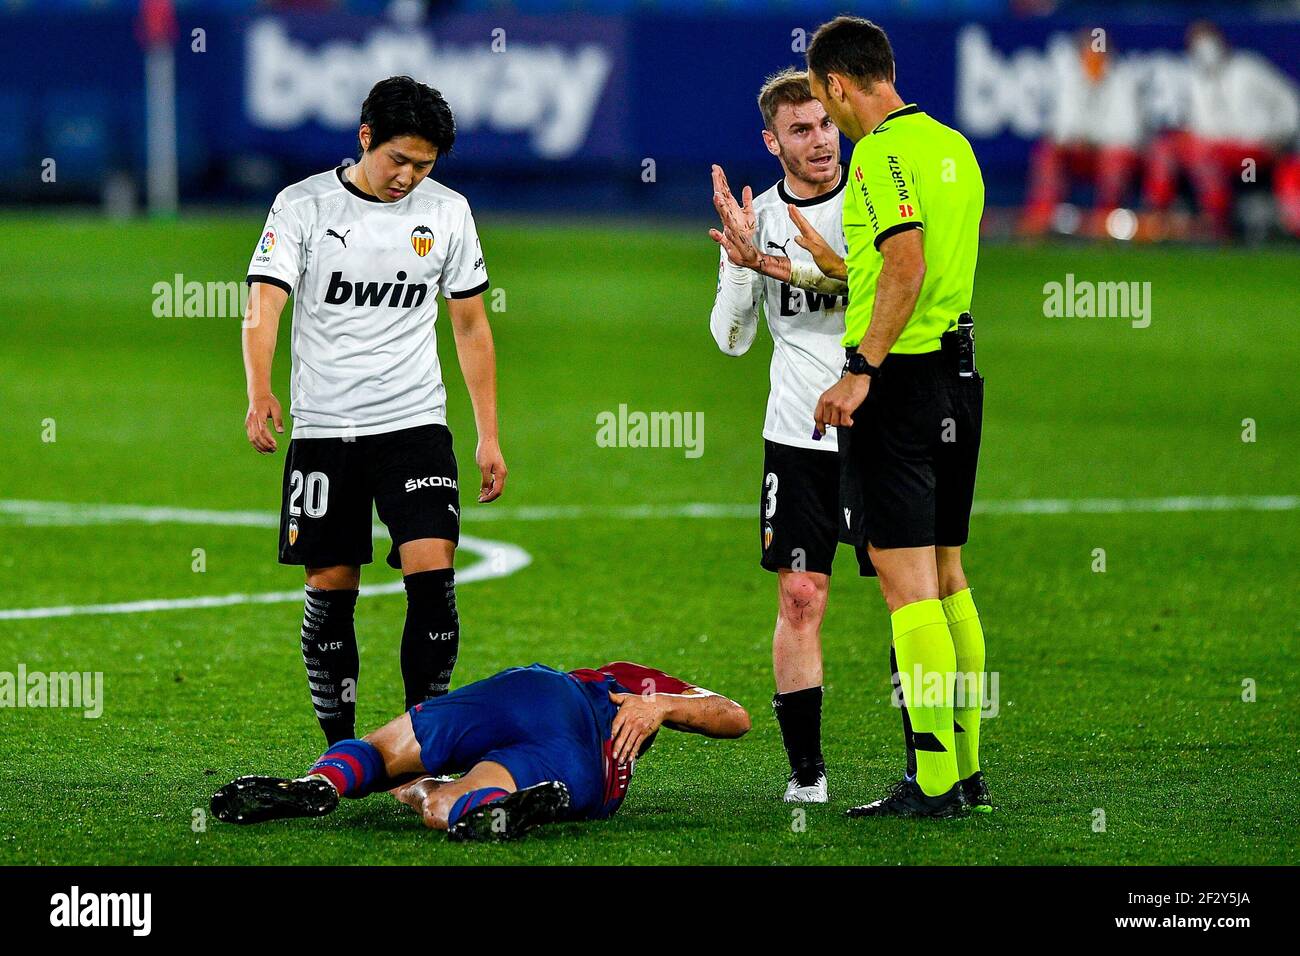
x: 810, y: 787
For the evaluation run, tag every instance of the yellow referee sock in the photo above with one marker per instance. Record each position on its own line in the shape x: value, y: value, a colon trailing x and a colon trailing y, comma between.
x: 968, y: 643
x: 926, y: 665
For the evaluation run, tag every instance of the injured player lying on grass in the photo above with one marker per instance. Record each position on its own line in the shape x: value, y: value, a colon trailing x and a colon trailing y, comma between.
x: 534, y: 745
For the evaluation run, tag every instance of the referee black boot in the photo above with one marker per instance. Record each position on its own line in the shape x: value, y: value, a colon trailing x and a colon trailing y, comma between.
x: 976, y: 792
x: 907, y: 799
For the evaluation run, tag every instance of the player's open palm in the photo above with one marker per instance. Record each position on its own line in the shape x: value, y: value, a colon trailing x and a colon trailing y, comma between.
x: 738, y: 220
x: 828, y: 260
x: 261, y: 409
x: 492, y: 469
x: 638, y: 717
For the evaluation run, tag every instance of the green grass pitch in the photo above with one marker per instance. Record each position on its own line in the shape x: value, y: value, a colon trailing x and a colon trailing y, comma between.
x: 1119, y: 692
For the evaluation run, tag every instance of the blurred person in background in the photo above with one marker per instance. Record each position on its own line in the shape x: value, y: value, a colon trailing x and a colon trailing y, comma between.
x: 1093, y: 136
x: 1286, y: 187
x: 1240, y: 108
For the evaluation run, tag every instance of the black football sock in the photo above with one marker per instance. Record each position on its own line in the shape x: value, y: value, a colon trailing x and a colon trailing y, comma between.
x: 431, y: 637
x: 902, y: 707
x: 800, y: 715
x: 329, y: 649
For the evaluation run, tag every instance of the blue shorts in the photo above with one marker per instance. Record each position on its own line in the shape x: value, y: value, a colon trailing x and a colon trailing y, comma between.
x: 536, y: 722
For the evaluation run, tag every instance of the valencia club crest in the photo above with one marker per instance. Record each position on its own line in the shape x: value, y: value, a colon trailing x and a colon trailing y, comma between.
x: 421, y: 240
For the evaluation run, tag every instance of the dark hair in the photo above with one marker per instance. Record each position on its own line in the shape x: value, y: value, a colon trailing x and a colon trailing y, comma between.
x: 789, y: 86
x: 401, y: 106
x: 852, y: 47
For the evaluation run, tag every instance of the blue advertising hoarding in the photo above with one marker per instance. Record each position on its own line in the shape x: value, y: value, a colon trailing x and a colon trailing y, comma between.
x: 564, y: 110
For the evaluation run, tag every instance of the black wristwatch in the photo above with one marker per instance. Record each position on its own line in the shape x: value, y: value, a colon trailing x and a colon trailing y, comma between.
x: 857, y: 364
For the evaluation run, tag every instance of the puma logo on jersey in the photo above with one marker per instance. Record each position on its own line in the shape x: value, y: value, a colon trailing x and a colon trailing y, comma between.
x: 343, y: 238
x: 434, y: 481
x: 778, y: 245
x: 398, y: 294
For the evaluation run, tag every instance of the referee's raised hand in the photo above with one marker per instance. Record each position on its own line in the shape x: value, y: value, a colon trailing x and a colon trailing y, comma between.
x: 262, y: 408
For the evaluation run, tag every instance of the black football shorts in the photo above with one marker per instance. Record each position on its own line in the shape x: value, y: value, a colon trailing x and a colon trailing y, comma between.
x: 907, y: 466
x: 797, y: 508
x: 330, y: 483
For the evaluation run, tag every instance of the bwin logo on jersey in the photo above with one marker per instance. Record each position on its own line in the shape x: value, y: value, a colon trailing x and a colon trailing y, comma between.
x: 341, y: 290
x: 421, y: 240
x: 795, y: 301
x: 434, y: 481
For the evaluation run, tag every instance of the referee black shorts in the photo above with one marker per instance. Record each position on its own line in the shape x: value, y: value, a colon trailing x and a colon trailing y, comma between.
x: 907, y: 466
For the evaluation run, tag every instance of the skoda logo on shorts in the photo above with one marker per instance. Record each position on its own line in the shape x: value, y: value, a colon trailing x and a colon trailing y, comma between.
x: 293, y: 531
x: 434, y: 481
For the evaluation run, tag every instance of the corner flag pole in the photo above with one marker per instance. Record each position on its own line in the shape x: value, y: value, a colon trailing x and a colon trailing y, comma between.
x: 157, y: 32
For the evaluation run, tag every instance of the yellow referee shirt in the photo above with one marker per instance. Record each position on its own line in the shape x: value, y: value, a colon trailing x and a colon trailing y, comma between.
x: 912, y: 172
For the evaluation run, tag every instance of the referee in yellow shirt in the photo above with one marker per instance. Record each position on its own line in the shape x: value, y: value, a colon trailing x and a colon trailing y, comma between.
x: 909, y: 406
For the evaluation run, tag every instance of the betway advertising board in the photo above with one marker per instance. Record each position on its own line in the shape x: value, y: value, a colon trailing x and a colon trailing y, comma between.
x: 532, y: 89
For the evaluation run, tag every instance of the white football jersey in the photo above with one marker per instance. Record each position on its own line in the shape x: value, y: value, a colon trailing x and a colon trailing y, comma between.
x: 806, y: 327
x: 365, y: 275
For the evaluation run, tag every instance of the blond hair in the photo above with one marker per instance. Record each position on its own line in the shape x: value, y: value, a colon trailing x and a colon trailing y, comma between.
x: 789, y: 86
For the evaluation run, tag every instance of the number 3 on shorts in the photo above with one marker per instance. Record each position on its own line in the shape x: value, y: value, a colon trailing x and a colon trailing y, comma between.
x: 317, y: 499
x: 770, y: 484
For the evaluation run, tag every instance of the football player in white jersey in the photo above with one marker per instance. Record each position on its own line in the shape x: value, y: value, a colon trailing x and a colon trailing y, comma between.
x: 764, y: 259
x: 366, y: 250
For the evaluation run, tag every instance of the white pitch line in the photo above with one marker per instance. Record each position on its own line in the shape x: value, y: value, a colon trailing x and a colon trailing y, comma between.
x: 68, y: 513
x: 1026, y: 506
x: 499, y: 558
x: 1062, y: 506
x: 175, y: 604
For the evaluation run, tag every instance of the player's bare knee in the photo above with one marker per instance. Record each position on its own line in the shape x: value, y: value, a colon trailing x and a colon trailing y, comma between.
x: 803, y: 597
x: 338, y: 578
x: 426, y: 554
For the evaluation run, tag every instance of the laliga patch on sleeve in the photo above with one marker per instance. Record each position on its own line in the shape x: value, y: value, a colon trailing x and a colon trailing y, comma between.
x: 265, y: 247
